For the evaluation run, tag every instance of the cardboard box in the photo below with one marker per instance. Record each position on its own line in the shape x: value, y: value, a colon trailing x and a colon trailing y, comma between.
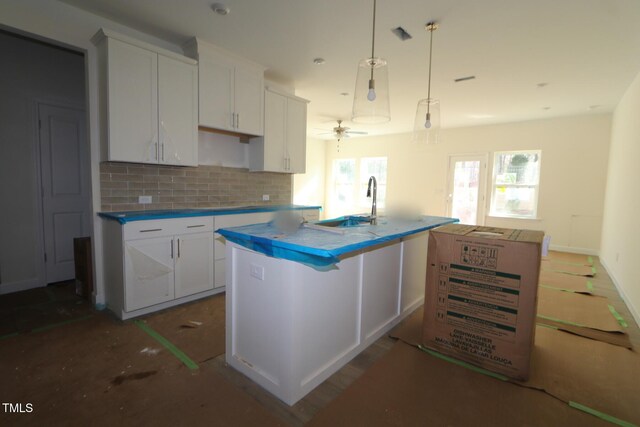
x: 480, y: 296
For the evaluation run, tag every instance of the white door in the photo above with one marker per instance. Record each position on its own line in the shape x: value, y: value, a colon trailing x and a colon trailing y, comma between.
x: 66, y: 183
x: 178, y: 112
x: 194, y: 263
x: 467, y: 188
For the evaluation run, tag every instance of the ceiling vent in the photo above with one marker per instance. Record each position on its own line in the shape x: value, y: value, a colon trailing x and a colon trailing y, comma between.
x: 464, y: 79
x: 401, y: 33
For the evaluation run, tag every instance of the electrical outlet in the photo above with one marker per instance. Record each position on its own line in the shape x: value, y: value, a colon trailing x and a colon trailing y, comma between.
x: 265, y: 197
x: 256, y: 271
x: 144, y: 200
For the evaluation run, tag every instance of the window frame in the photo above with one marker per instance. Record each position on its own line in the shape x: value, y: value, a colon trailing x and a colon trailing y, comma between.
x: 535, y: 187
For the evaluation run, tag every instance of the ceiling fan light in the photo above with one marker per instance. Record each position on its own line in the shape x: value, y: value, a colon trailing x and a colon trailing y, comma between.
x: 421, y: 132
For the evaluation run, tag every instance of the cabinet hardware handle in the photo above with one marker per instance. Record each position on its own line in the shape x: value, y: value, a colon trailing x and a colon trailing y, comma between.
x: 237, y: 120
x: 156, y: 144
x: 195, y: 226
x: 151, y: 229
x: 163, y: 151
x: 171, y: 248
x: 178, y: 248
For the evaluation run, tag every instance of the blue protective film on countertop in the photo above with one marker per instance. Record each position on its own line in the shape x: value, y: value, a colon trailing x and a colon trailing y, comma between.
x: 128, y: 216
x: 324, y: 248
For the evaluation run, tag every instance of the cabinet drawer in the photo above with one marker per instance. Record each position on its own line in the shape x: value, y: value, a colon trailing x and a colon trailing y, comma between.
x: 197, y: 224
x: 147, y: 229
x: 167, y: 227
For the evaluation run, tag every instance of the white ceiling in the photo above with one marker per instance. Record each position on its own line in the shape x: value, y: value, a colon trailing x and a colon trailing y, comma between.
x: 586, y: 51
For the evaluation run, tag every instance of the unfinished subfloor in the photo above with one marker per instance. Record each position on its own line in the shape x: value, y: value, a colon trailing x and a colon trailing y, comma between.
x: 63, y: 363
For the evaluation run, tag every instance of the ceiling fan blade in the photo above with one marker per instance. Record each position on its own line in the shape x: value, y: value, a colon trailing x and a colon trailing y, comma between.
x: 357, y: 132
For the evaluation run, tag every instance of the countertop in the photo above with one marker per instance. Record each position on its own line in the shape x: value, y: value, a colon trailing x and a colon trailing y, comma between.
x: 321, y: 248
x: 128, y: 216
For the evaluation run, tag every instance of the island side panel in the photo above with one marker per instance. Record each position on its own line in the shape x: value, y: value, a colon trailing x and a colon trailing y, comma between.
x: 257, y: 310
x: 414, y: 272
x: 327, y: 313
x: 381, y: 289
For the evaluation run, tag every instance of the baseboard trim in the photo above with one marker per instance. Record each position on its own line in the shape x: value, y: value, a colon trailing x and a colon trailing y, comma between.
x: 634, y: 311
x: 9, y: 288
x: 574, y: 250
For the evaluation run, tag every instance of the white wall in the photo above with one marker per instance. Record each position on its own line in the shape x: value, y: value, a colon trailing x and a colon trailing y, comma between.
x: 222, y: 150
x: 309, y: 187
x: 620, y: 249
x: 574, y: 164
x: 68, y: 25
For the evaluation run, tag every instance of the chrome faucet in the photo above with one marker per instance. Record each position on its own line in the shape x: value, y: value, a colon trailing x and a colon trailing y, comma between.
x: 374, y: 207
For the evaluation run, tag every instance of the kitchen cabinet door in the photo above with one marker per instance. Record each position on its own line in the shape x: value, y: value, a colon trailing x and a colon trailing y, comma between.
x: 148, y: 272
x: 296, y: 140
x: 193, y: 263
x: 216, y: 87
x: 275, y: 133
x: 283, y: 146
x: 178, y: 112
x: 248, y: 100
x: 133, y: 103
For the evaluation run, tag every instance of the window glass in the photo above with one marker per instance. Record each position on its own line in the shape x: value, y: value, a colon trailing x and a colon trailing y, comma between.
x: 516, y: 177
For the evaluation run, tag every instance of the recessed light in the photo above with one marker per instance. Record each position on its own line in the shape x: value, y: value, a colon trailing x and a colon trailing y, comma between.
x: 344, y: 93
x: 594, y: 107
x: 220, y: 8
x: 543, y: 84
x: 546, y: 108
x: 319, y: 61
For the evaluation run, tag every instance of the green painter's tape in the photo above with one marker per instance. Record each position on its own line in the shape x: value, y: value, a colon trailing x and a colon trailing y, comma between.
x: 547, y: 326
x: 463, y: 364
x: 601, y: 415
x: 593, y: 270
x: 590, y: 260
x: 619, y: 318
x: 168, y: 345
x: 66, y: 322
x: 13, y: 334
x: 566, y: 322
x: 589, y: 285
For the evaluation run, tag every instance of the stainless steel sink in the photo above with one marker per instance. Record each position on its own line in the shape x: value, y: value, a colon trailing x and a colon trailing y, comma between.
x: 346, y: 221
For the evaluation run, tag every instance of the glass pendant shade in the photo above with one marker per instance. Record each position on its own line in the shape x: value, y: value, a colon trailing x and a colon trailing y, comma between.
x: 371, y: 95
x: 426, y: 127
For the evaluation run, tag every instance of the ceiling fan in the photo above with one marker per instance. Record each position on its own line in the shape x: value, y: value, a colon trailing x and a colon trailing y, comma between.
x: 340, y: 132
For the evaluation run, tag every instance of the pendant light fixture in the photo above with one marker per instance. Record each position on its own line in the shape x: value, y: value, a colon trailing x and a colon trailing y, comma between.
x: 426, y: 128
x: 371, y: 96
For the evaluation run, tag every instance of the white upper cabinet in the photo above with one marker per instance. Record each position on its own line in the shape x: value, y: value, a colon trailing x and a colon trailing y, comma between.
x: 230, y: 90
x: 283, y: 146
x: 150, y: 102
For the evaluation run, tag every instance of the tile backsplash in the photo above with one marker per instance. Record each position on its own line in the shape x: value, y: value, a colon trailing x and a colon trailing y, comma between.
x: 188, y: 187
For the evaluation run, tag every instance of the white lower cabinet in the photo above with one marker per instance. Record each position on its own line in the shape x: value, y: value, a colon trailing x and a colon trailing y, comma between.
x: 193, y: 264
x: 155, y: 264
x: 149, y: 278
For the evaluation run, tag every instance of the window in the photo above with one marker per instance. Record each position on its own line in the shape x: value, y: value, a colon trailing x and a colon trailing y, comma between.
x: 373, y: 166
x: 350, y: 180
x: 516, y: 177
x: 344, y: 181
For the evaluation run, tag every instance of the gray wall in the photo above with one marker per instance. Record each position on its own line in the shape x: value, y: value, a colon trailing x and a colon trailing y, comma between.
x: 30, y: 71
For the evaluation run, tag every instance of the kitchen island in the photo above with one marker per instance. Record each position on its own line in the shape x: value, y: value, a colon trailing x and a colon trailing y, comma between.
x: 302, y: 304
